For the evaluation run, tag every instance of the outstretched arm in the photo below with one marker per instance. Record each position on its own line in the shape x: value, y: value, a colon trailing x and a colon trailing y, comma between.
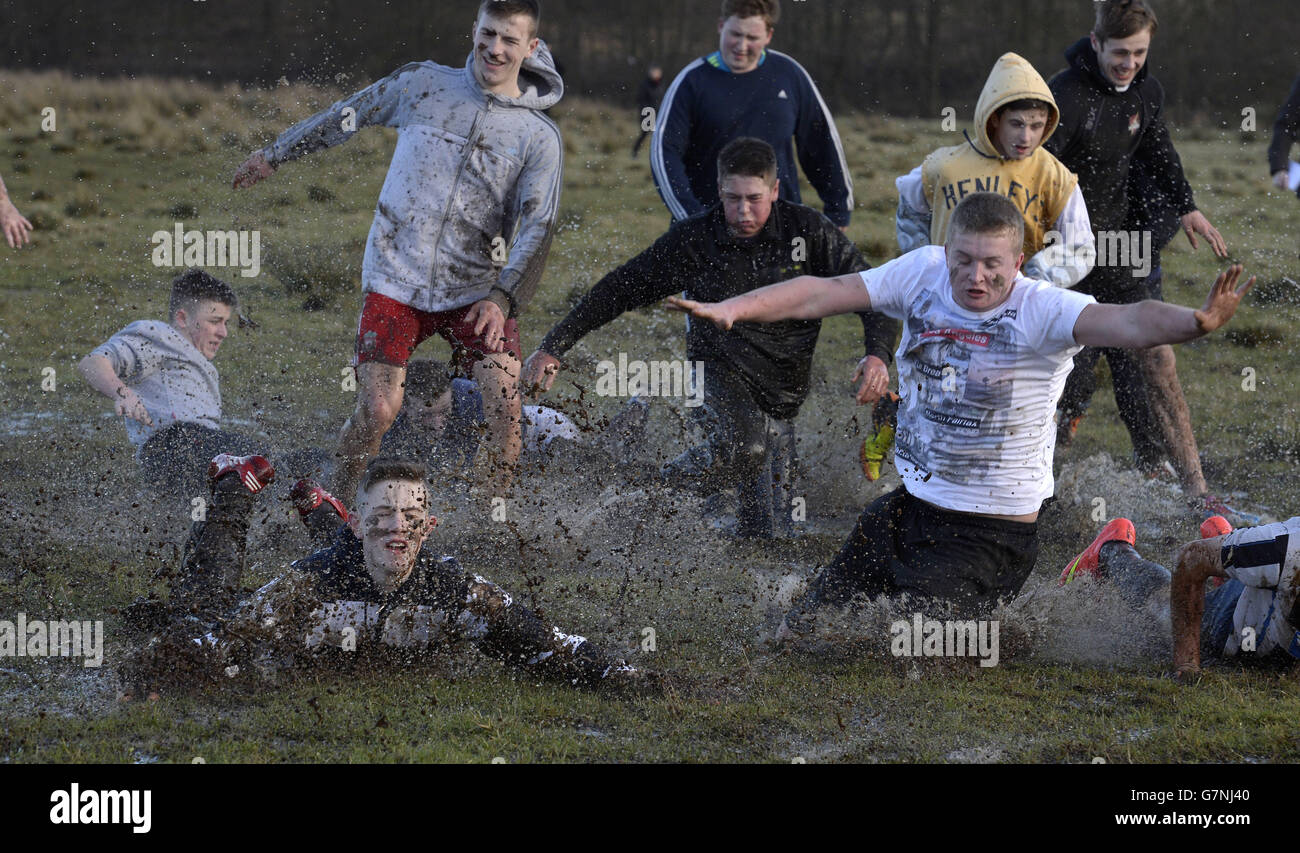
x: 377, y: 104
x: 1151, y: 323
x: 98, y: 372
x: 1197, y: 562
x: 802, y: 298
x: 13, y: 224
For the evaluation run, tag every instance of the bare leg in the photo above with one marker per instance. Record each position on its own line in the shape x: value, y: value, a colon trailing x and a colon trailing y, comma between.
x: 1169, y: 409
x: 1197, y: 561
x: 379, y: 398
x: 497, y: 376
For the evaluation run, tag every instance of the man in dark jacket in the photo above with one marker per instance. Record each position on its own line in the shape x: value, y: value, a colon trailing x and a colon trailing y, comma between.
x: 744, y: 89
x: 376, y: 585
x: 753, y: 372
x: 1111, y: 118
x: 1286, y: 131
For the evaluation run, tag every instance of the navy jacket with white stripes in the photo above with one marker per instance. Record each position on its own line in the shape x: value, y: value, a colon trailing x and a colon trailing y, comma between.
x: 707, y: 106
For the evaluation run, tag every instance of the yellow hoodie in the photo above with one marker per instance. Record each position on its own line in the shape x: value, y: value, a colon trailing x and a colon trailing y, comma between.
x: 1040, y: 185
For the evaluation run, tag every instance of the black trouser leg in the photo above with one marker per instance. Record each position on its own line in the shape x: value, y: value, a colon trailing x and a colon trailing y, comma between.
x: 734, y: 452
x: 510, y: 632
x: 1136, y: 578
x: 865, y: 563
x: 1081, y: 384
x: 1134, y: 407
x: 175, y: 459
x: 212, y: 568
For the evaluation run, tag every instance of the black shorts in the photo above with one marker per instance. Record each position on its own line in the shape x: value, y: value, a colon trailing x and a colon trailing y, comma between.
x: 903, y: 545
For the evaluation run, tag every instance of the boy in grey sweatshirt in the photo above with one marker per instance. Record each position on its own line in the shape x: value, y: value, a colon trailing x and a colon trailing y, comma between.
x: 463, y: 223
x: 161, y: 379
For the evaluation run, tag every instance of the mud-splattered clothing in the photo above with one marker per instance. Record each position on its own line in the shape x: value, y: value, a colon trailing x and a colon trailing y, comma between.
x: 978, y: 389
x: 473, y: 173
x: 176, y: 382
x: 904, y: 546
x: 1255, y: 615
x: 330, y: 599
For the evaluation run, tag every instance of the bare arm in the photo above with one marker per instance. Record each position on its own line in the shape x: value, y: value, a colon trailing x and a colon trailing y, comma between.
x: 1197, y: 562
x: 802, y: 298
x: 13, y: 225
x: 99, y: 374
x: 1150, y: 323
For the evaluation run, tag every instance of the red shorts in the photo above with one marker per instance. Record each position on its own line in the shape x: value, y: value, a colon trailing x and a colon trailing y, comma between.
x: 390, y: 331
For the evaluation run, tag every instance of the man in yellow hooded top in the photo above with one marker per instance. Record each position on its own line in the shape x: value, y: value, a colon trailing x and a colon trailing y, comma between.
x: 1002, y: 153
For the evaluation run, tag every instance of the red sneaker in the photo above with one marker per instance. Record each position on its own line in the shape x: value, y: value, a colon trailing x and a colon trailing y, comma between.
x: 255, y: 472
x: 1088, y: 562
x: 1215, y: 525
x: 308, y: 496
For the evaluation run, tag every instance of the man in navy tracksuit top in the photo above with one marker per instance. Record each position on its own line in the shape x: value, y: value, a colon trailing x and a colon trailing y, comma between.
x: 743, y: 89
x: 1286, y: 130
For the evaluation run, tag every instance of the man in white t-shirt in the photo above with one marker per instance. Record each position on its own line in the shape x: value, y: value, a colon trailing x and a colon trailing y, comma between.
x: 982, y: 361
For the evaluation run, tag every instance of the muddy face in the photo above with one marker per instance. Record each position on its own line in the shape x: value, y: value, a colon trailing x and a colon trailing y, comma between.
x: 392, y: 521
x: 982, y: 268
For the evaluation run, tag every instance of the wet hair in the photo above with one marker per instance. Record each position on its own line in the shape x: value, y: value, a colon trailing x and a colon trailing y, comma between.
x: 768, y: 10
x: 987, y: 213
x: 195, y: 286
x: 1025, y: 104
x: 427, y: 379
x: 509, y: 8
x: 1119, y: 19
x: 384, y: 468
x: 748, y: 157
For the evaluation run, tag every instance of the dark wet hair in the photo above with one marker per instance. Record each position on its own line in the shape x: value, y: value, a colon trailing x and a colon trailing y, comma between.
x: 768, y: 10
x: 987, y: 213
x: 1025, y: 104
x: 1119, y: 19
x: 384, y: 468
x: 427, y: 379
x: 747, y: 157
x: 194, y: 286
x: 509, y: 8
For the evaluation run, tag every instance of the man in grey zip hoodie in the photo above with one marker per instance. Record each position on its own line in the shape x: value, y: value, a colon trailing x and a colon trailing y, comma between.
x: 463, y: 224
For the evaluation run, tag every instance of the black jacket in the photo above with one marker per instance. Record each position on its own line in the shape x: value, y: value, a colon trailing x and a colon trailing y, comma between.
x: 699, y: 256
x: 1286, y: 130
x: 1102, y: 130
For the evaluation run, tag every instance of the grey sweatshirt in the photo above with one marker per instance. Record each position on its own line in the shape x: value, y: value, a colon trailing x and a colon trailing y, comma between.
x: 174, y: 380
x: 473, y: 174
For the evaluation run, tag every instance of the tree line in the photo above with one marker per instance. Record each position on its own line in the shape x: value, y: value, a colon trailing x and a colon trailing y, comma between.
x: 901, y: 57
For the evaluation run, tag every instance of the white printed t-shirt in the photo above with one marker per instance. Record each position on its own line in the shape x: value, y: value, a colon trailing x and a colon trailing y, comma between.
x: 979, y: 389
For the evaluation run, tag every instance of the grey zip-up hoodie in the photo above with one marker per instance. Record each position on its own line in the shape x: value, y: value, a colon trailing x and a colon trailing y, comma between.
x: 473, y: 173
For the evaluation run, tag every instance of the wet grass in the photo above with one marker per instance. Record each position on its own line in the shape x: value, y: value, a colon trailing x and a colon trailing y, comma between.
x: 79, y: 538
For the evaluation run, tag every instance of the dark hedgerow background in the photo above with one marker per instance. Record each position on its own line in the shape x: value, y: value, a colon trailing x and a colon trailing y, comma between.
x: 157, y: 103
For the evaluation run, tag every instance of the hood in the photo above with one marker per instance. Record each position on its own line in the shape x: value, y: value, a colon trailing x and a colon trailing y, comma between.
x: 539, y: 82
x: 1013, y: 78
x: 1083, y: 59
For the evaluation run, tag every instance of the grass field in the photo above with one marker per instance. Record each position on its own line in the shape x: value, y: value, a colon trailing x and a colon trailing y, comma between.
x: 602, y: 552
